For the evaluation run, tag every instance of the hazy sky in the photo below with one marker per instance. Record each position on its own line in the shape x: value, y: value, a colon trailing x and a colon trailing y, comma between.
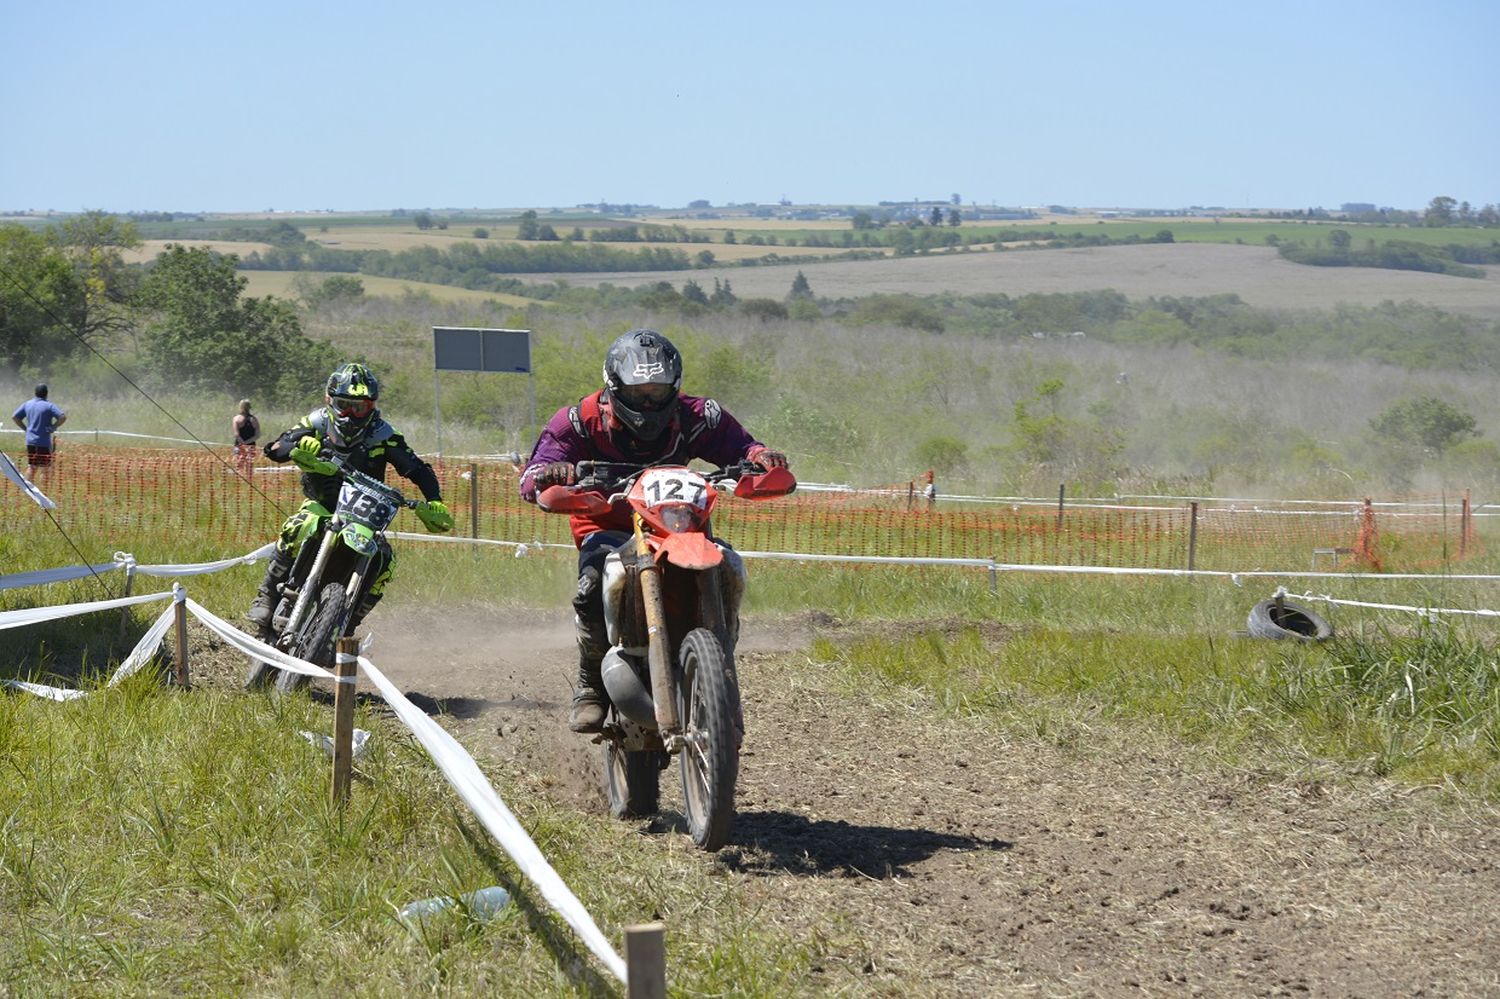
x: 314, y: 104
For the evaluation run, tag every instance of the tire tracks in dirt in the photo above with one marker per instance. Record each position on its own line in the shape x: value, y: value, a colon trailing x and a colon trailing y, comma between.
x: 925, y: 854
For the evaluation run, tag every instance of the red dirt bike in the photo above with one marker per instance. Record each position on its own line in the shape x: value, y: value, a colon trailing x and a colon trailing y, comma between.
x: 671, y: 609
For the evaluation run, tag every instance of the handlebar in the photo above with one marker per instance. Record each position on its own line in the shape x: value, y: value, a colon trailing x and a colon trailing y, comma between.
x: 371, y: 483
x: 602, y: 484
x: 616, y: 476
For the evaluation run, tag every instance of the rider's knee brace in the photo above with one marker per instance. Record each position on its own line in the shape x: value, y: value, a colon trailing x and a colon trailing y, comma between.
x: 588, y: 615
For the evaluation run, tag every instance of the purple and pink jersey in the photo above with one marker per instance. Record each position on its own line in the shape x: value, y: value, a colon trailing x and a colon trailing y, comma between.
x: 700, y: 429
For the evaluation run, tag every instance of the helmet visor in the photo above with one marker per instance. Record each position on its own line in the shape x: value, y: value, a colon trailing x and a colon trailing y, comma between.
x: 351, y: 408
x: 647, y: 398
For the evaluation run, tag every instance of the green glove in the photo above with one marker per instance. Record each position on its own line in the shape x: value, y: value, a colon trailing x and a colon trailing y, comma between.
x: 305, y: 456
x: 434, y: 516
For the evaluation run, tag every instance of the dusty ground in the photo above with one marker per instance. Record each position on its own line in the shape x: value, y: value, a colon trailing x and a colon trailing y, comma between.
x: 933, y: 856
x: 1255, y: 273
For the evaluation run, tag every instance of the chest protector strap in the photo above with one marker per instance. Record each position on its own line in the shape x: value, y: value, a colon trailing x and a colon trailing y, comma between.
x: 590, y: 425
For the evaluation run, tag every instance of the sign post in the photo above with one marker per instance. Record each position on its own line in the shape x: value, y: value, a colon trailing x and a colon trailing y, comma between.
x: 468, y: 348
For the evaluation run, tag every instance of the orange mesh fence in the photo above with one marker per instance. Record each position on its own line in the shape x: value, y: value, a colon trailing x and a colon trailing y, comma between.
x: 121, y: 497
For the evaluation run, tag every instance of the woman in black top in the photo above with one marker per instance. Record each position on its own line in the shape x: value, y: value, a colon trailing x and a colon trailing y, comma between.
x: 246, y: 434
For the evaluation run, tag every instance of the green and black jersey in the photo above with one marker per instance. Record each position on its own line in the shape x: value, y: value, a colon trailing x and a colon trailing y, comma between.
x: 381, y: 445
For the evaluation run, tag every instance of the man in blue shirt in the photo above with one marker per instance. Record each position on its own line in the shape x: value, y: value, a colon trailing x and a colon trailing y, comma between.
x: 39, y: 418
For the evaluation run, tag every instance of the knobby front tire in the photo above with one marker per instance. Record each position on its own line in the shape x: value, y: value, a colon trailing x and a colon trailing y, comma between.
x: 706, y: 698
x: 316, y: 644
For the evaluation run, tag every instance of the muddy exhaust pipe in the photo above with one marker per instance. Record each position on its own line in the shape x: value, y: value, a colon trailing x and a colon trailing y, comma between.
x: 626, y: 691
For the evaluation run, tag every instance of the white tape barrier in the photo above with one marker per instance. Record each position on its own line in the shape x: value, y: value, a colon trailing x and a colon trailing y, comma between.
x: 139, y: 656
x: 523, y: 548
x: 13, y: 473
x: 462, y: 772
x: 40, y: 690
x: 149, y: 643
x: 254, y: 647
x: 195, y: 568
x: 43, y: 576
x: 1419, y: 611
x: 470, y: 783
x: 123, y: 433
x: 36, y: 615
x: 124, y: 560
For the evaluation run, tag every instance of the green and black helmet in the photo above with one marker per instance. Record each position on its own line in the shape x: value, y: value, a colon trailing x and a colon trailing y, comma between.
x: 351, y: 394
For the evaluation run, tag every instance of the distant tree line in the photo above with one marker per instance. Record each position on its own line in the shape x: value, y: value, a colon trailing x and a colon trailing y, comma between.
x: 1394, y: 254
x: 1441, y: 212
x: 467, y: 265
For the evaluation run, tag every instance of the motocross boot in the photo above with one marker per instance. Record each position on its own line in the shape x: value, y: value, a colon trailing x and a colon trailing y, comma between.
x: 264, y: 604
x: 589, y: 699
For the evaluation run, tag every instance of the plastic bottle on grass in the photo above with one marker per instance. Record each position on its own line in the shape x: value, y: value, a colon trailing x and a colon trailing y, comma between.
x: 484, y: 904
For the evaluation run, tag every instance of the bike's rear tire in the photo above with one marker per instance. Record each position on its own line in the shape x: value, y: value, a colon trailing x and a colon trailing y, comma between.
x: 632, y: 779
x: 706, y: 698
x: 316, y: 644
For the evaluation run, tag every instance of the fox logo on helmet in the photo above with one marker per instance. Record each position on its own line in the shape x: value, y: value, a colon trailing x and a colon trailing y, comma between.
x: 642, y: 357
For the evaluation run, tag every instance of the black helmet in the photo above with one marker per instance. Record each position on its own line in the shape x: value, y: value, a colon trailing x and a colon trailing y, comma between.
x: 642, y: 373
x: 351, y: 394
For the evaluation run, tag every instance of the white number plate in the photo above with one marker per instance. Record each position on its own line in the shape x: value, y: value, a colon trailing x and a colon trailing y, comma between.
x: 674, y: 486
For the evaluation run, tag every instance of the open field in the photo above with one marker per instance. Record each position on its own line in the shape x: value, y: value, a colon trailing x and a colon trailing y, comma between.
x: 282, y: 285
x: 150, y: 248
x: 1256, y: 274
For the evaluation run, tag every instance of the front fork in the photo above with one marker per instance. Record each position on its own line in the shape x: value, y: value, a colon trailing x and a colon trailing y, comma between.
x: 310, y: 587
x: 658, y: 649
x: 658, y: 654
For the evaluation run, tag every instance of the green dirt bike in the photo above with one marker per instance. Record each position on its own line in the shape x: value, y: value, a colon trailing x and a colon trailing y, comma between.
x: 328, y: 580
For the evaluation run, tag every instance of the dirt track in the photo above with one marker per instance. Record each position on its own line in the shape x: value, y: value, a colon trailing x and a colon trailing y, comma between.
x: 933, y: 856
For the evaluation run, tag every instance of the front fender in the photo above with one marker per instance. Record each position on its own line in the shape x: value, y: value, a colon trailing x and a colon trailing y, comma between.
x: 690, y: 551
x: 360, y: 538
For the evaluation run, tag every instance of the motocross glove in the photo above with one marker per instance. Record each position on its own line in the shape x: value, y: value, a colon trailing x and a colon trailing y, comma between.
x: 555, y: 473
x: 305, y: 456
x: 765, y: 457
x: 435, y: 517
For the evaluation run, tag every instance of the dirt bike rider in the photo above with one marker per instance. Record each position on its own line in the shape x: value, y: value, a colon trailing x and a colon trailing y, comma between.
x: 349, y: 426
x: 638, y: 417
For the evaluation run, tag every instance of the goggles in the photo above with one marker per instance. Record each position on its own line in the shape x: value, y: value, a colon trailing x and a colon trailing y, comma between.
x: 650, y: 396
x: 355, y: 408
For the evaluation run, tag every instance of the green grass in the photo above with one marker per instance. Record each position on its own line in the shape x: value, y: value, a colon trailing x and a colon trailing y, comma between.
x: 156, y: 843
x: 1422, y: 707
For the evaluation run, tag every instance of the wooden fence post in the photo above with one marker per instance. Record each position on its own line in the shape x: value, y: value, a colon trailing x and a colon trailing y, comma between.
x: 346, y: 661
x: 179, y: 606
x: 473, y: 500
x: 1464, y: 520
x: 1062, y: 488
x: 1192, y: 532
x: 646, y: 961
x: 129, y: 585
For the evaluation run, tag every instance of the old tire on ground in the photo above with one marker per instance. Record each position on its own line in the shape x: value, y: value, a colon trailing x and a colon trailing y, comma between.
x: 632, y: 779
x: 316, y: 644
x: 1289, y: 620
x: 711, y: 760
